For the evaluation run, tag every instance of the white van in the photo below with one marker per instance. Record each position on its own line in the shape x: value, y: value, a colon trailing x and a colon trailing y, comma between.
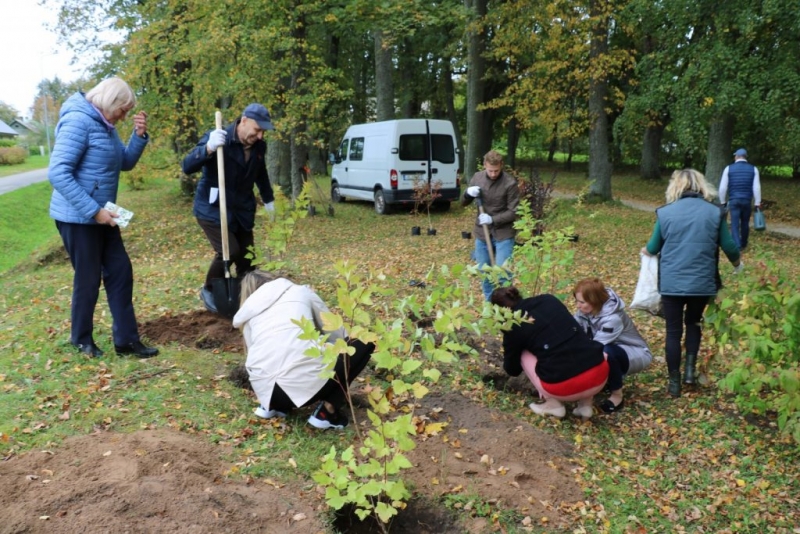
x: 381, y: 162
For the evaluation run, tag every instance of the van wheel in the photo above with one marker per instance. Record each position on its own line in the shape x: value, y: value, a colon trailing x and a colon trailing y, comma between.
x: 381, y: 208
x: 336, y: 196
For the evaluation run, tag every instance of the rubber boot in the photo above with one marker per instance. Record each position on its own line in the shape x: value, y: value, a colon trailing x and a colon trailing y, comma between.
x: 689, y: 371
x: 674, y: 385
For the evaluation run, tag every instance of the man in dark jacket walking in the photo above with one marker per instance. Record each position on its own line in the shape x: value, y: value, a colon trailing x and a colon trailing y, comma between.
x: 741, y: 183
x: 244, y: 153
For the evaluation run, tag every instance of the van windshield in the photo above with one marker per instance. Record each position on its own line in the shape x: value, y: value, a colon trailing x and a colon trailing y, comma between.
x: 414, y: 147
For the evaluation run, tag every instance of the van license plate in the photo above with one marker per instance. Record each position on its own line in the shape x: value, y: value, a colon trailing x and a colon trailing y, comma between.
x: 409, y: 177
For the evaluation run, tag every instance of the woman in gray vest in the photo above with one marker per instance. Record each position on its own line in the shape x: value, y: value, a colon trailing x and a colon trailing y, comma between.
x: 688, y: 233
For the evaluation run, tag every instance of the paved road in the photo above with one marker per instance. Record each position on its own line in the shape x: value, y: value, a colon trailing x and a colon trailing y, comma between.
x: 785, y: 229
x: 15, y: 181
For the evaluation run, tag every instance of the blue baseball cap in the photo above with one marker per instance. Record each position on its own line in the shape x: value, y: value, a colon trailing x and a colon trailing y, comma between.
x: 260, y: 114
x: 742, y: 153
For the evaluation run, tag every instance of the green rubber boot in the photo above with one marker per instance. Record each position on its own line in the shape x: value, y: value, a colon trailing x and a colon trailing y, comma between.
x: 689, y: 372
x: 674, y: 385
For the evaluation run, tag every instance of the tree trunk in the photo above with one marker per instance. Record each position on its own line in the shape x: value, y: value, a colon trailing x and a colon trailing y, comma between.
x: 447, y: 78
x: 476, y: 87
x: 513, y: 142
x: 318, y: 161
x: 599, y: 164
x: 720, y: 140
x: 650, y: 167
x: 298, y: 158
x: 551, y: 152
x: 278, y: 166
x: 384, y: 86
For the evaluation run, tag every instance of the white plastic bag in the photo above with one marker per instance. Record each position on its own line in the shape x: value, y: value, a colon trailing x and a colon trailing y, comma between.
x: 647, y: 297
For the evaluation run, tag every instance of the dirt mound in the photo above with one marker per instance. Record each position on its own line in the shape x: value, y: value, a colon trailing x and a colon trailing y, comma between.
x: 486, y: 455
x: 197, y: 329
x: 148, y: 481
x: 165, y: 481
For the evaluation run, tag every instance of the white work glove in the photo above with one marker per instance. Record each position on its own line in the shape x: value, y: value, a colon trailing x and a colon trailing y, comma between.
x: 270, y: 207
x: 216, y: 139
x: 474, y: 191
x: 739, y: 268
x: 484, y: 218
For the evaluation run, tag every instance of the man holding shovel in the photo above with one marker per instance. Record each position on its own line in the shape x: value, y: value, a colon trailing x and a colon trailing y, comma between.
x: 243, y: 150
x: 497, y: 195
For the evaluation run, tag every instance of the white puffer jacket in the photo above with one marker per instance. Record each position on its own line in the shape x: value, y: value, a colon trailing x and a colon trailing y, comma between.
x: 275, y: 354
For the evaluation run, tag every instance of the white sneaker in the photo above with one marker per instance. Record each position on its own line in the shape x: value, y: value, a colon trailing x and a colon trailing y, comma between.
x: 549, y: 407
x: 267, y: 414
x: 584, y: 412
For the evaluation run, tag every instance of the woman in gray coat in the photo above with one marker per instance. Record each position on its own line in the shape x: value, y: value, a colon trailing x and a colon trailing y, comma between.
x: 84, y: 170
x: 688, y: 234
x: 601, y: 313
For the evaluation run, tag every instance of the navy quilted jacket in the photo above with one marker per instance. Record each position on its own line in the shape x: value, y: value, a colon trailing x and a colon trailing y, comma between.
x: 86, y: 161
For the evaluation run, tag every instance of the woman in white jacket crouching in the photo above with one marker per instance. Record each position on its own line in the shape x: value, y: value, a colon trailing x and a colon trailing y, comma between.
x: 282, y: 376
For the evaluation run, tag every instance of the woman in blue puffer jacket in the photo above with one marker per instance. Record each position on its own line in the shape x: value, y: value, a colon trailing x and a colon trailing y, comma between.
x: 84, y: 170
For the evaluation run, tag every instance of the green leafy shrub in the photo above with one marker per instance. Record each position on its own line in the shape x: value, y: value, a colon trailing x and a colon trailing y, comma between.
x: 757, y: 323
x: 13, y: 155
x: 414, y: 335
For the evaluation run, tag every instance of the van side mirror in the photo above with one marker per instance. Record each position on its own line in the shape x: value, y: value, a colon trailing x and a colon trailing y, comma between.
x: 334, y: 158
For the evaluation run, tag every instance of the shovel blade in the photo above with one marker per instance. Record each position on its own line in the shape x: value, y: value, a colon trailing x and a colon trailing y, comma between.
x: 226, y: 295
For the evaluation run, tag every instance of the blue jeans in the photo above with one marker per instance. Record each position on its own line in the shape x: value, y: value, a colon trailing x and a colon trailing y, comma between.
x: 740, y: 220
x: 502, y: 251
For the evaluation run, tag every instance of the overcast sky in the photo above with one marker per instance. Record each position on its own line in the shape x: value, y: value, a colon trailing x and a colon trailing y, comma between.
x: 29, y: 53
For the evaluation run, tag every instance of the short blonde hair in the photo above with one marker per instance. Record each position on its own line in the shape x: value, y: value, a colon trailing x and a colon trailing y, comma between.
x: 112, y: 94
x: 689, y: 180
x: 493, y: 158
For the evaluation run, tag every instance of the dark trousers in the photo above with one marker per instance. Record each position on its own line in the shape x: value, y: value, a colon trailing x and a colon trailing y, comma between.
x: 740, y: 211
x: 97, y: 252
x: 345, y: 371
x: 680, y: 312
x: 238, y: 243
x: 618, y: 365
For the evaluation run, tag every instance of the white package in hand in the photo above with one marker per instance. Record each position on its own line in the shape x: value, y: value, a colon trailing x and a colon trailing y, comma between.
x: 125, y: 216
x: 647, y: 297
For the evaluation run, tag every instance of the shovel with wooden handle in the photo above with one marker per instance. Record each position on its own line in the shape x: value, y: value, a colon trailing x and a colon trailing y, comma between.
x: 225, y: 290
x: 486, y: 232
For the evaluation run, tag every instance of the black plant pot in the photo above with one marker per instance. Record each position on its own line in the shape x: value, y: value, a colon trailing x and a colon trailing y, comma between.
x: 431, y: 231
x: 312, y: 210
x: 466, y: 235
x: 415, y: 230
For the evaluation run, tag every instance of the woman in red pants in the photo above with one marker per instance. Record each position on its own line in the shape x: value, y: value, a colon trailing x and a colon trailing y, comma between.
x: 558, y: 357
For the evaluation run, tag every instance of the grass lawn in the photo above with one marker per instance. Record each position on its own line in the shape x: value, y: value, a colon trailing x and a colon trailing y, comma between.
x: 694, y: 464
x: 30, y: 164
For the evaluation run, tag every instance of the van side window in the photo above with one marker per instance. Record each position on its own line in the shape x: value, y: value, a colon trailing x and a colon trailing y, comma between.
x: 443, y: 149
x: 414, y: 147
x: 343, y: 149
x: 357, y: 149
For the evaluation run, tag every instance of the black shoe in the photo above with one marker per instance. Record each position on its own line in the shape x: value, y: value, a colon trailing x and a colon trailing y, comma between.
x: 89, y: 349
x: 138, y: 348
x: 609, y: 407
x: 323, y: 419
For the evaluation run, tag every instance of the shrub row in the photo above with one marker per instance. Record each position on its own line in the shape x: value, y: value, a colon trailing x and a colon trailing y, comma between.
x: 12, y: 155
